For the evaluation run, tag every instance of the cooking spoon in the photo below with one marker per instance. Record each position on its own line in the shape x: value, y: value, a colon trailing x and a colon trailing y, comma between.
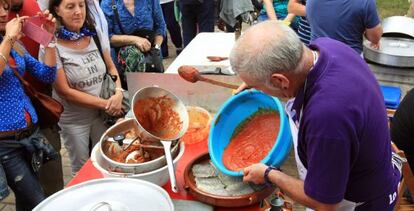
x: 191, y: 74
x: 121, y: 140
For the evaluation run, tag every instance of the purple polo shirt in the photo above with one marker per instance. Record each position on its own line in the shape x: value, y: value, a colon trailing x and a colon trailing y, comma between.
x: 344, y: 140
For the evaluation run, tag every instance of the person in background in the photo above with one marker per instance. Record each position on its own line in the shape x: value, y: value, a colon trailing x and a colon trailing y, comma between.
x: 277, y: 10
x: 345, y: 21
x: 402, y: 130
x: 79, y: 80
x: 51, y: 173
x: 197, y: 16
x: 135, y: 28
x: 343, y: 153
x: 18, y: 118
x: 98, y: 16
x: 298, y: 8
x: 26, y: 8
x: 173, y: 27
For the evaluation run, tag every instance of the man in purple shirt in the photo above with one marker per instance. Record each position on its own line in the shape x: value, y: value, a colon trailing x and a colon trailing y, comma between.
x: 338, y: 119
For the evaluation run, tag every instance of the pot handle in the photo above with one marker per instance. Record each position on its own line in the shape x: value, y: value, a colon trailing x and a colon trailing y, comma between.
x: 101, y: 204
x: 170, y: 164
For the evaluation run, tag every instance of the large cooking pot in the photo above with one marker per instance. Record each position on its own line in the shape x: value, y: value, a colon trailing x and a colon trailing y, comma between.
x: 120, y: 194
x: 398, y: 25
x: 393, y: 51
x: 158, y: 176
x: 136, y: 168
x: 236, y: 110
x: 396, y: 44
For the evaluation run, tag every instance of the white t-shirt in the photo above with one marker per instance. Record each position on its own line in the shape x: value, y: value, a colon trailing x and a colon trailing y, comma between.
x: 84, y: 70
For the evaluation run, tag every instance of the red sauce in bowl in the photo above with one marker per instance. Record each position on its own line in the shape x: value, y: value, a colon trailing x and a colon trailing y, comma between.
x: 253, y: 142
x: 157, y: 116
x: 198, y: 127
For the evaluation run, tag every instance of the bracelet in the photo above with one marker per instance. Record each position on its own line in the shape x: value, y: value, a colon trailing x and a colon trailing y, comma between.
x: 3, y: 58
x: 52, y: 44
x: 10, y: 38
x: 266, y: 176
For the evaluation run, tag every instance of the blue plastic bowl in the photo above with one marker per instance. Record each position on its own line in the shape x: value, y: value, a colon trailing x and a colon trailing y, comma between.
x: 232, y: 113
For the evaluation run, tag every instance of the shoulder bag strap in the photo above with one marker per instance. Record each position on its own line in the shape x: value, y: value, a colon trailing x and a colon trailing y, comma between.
x: 98, y: 45
x: 116, y: 15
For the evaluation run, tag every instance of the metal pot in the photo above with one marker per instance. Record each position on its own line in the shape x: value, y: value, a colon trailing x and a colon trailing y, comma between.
x: 398, y: 25
x: 158, y: 176
x: 169, y: 132
x: 151, y: 165
x: 394, y: 51
x: 176, y: 105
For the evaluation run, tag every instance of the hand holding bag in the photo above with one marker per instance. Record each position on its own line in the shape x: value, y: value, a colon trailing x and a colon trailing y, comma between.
x: 131, y: 58
x: 47, y: 109
x: 109, y: 88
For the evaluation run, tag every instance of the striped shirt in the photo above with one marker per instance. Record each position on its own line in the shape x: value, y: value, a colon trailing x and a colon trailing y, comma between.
x: 304, y: 31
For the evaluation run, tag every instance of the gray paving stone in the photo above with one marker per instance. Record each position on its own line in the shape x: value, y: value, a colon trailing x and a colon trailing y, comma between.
x: 10, y: 199
x: 9, y: 208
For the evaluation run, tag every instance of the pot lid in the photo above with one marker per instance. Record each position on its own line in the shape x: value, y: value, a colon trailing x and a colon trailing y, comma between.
x: 398, y: 26
x: 393, y: 51
x: 119, y: 194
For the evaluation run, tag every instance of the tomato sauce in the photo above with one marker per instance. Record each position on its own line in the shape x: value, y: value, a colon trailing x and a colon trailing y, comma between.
x: 157, y: 116
x: 198, y: 127
x: 253, y: 142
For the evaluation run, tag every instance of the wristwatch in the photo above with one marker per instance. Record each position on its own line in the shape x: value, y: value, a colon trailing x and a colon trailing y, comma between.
x: 268, y: 183
x: 52, y: 44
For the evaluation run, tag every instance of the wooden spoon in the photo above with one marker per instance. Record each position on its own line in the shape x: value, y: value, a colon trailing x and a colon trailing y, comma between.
x: 191, y: 74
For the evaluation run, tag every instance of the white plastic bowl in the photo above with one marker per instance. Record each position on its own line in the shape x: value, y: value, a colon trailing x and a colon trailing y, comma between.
x: 159, y: 176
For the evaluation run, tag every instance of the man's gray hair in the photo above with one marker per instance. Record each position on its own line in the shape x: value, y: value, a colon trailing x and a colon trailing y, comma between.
x: 276, y: 49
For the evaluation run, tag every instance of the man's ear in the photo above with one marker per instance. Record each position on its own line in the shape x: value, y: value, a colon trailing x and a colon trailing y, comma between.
x: 280, y: 81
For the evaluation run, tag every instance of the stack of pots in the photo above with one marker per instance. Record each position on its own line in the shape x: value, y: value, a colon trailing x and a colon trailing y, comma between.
x: 154, y: 171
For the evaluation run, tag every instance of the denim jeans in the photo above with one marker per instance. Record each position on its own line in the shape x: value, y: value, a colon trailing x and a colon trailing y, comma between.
x: 21, y: 178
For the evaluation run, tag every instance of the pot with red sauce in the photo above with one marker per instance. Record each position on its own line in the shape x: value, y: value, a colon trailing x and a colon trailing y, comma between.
x: 250, y: 127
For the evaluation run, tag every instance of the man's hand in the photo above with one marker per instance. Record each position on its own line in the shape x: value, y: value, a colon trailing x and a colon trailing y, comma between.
x: 254, y: 173
x: 241, y: 88
x: 375, y: 46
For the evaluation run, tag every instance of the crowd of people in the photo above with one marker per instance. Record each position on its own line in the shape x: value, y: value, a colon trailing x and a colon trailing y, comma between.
x: 308, y: 51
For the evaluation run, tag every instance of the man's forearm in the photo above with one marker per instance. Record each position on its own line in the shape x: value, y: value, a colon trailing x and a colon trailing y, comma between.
x: 374, y: 34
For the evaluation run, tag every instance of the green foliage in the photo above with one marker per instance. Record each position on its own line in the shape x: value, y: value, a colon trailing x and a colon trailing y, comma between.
x: 387, y: 8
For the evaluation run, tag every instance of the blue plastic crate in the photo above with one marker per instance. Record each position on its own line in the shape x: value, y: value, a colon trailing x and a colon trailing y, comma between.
x: 392, y: 96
